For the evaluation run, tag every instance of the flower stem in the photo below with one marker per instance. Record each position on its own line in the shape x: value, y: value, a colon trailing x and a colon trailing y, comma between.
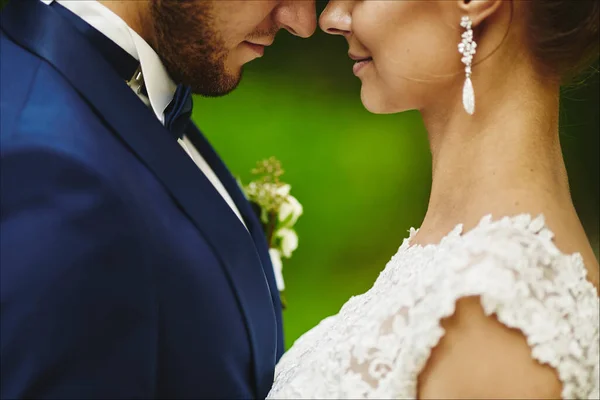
x: 271, y: 228
x: 283, y: 300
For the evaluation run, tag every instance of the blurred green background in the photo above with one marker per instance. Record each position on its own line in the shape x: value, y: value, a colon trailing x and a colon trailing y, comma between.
x: 363, y: 179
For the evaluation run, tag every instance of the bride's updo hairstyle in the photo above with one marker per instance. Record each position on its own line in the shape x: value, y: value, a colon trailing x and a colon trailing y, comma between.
x: 563, y: 36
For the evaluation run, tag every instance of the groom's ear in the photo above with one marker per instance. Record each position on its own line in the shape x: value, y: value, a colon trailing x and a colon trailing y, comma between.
x: 479, y: 10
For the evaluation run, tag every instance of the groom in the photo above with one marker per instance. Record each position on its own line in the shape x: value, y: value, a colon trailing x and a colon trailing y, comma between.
x: 131, y: 264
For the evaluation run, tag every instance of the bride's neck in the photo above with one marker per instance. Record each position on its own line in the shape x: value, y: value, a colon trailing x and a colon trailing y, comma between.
x: 503, y: 160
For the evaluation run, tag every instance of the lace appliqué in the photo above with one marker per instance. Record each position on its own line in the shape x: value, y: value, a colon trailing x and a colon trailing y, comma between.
x: 379, y: 342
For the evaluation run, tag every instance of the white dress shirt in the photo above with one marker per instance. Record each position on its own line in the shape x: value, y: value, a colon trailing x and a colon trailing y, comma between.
x: 159, y: 86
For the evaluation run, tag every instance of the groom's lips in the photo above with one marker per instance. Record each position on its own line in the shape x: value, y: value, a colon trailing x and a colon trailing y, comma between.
x: 258, y: 47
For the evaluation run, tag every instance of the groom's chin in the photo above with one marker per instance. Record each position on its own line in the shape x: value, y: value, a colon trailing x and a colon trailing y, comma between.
x: 221, y: 85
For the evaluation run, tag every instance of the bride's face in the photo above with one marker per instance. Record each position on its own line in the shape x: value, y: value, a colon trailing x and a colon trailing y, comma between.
x: 408, y: 46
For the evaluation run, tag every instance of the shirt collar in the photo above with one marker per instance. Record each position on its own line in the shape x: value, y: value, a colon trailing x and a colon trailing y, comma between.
x: 159, y: 85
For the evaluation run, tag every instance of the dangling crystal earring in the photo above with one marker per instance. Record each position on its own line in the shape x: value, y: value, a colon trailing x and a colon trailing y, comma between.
x: 468, y: 48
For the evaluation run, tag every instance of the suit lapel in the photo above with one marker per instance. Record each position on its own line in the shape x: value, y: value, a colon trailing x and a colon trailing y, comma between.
x: 42, y: 31
x: 252, y: 222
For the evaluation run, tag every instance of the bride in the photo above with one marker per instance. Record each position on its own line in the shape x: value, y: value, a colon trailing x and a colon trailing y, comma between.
x: 496, y: 295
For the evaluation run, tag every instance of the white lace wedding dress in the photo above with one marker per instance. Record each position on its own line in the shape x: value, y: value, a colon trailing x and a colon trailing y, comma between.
x: 380, y: 341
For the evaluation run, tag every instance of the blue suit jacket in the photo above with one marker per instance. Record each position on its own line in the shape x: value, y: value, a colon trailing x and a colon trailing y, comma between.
x: 124, y: 274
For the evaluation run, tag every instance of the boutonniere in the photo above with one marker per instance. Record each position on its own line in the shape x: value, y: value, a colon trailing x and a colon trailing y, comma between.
x: 278, y: 211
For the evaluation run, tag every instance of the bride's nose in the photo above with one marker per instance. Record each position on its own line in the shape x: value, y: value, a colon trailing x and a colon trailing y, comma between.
x: 336, y: 18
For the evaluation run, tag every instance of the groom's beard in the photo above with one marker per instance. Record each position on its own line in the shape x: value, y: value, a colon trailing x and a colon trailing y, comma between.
x: 190, y: 46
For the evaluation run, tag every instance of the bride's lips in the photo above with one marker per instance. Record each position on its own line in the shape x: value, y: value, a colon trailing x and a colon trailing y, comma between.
x: 361, y: 62
x: 359, y: 65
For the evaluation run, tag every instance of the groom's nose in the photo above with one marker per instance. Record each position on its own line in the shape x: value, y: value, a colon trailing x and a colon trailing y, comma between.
x: 299, y: 17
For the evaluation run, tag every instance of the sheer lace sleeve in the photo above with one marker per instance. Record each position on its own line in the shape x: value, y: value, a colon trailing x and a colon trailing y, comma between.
x: 380, y: 342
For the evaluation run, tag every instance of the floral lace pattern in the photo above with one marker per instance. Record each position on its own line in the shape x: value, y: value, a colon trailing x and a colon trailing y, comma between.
x: 380, y: 341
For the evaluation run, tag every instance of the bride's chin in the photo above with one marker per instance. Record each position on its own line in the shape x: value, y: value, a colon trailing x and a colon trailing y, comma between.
x: 375, y: 103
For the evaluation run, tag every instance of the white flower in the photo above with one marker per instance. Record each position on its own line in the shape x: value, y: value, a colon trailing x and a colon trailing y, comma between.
x: 290, y: 211
x: 277, y: 268
x: 289, y: 241
x: 275, y: 190
x: 258, y: 189
x: 283, y: 190
x: 252, y: 188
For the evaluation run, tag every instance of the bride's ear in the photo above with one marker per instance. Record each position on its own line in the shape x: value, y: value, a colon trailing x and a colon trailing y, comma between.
x: 479, y: 10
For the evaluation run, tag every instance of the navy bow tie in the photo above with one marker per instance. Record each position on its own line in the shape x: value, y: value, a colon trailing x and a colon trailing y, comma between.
x: 177, y: 113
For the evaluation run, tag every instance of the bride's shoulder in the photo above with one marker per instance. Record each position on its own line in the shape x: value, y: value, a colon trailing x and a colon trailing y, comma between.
x: 511, y: 297
x: 505, y: 256
x: 512, y: 260
x: 521, y: 244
